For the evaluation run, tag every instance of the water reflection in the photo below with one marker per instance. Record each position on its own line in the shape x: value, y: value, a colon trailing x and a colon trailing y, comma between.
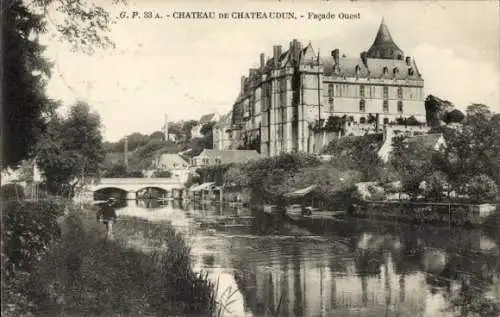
x: 352, y: 269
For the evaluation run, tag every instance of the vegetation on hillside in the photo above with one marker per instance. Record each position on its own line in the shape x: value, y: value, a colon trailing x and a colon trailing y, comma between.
x: 142, y: 149
x: 468, y: 166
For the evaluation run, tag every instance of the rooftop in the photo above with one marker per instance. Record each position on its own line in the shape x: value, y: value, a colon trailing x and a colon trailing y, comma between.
x: 232, y: 156
x: 384, y: 46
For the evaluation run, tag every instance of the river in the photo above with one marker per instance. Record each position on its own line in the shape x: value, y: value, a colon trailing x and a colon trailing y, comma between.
x: 337, y: 268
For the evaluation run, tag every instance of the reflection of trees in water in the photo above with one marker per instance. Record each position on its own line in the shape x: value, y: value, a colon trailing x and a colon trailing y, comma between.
x: 474, y: 272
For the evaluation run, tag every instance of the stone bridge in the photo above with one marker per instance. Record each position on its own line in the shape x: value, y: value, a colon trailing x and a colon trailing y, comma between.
x: 133, y: 185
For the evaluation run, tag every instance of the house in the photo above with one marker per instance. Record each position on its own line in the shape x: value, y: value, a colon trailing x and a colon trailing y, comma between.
x: 196, y: 130
x: 222, y: 157
x: 410, y: 132
x: 221, y: 132
x: 173, y: 163
x: 434, y: 141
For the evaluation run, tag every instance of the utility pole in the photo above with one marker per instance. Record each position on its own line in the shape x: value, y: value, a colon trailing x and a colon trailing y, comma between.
x: 126, y: 152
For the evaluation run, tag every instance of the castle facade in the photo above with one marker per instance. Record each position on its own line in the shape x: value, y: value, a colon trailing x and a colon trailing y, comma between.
x: 293, y: 94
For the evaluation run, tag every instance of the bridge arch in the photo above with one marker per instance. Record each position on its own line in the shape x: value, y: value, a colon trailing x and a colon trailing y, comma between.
x: 110, y: 191
x: 151, y: 191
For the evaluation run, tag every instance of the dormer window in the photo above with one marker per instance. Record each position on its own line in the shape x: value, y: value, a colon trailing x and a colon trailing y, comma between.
x: 410, y: 71
x: 395, y: 71
x: 357, y: 70
x: 386, y: 71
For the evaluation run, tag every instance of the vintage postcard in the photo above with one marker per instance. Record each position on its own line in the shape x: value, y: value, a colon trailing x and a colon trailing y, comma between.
x: 250, y: 158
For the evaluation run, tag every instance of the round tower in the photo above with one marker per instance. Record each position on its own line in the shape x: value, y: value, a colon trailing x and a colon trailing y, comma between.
x: 384, y: 47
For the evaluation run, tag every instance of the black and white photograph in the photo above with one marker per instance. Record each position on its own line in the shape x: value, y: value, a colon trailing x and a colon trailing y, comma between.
x: 261, y: 158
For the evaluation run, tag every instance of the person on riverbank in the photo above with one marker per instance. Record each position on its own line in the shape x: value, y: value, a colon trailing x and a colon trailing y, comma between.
x: 107, y: 215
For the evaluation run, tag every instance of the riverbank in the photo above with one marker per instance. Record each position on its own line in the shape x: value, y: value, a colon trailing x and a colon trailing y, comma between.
x: 83, y: 274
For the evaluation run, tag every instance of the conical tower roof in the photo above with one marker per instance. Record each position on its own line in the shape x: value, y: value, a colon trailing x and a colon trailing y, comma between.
x: 384, y: 46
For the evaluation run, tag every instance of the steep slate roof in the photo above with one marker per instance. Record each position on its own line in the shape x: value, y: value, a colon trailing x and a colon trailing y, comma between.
x: 232, y: 156
x: 171, y: 161
x: 225, y: 120
x: 207, y: 118
x: 375, y: 68
x: 424, y: 141
x: 384, y: 45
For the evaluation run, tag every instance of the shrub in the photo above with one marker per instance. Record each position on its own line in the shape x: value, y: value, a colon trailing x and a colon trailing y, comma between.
x: 86, y: 275
x: 11, y: 192
x: 164, y: 174
x: 29, y: 227
x: 482, y: 188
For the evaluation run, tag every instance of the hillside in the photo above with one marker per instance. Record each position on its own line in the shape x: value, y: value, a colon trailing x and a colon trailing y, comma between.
x: 142, y: 149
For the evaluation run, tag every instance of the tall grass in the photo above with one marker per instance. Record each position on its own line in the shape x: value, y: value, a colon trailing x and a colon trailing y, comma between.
x: 86, y: 275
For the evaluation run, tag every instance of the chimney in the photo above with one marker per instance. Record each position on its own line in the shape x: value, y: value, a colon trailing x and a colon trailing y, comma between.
x: 364, y: 59
x: 295, y: 48
x: 276, y: 54
x: 242, y: 84
x: 408, y: 60
x: 336, y: 55
x: 262, y: 60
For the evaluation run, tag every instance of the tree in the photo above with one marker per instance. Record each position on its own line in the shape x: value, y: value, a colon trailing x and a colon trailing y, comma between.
x: 26, y: 108
x: 435, y: 185
x: 25, y: 73
x: 473, y: 148
x: 412, y: 164
x: 71, y: 150
x: 118, y: 170
x: 187, y: 126
x: 482, y: 188
x: 157, y: 135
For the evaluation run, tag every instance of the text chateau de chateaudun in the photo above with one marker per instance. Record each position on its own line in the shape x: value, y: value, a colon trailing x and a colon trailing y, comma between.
x: 281, y: 101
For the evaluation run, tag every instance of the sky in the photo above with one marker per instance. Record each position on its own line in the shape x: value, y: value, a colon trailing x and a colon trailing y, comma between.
x: 189, y: 67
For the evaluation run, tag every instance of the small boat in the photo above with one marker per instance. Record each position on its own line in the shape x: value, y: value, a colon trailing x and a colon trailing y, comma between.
x: 270, y: 209
x: 295, y: 211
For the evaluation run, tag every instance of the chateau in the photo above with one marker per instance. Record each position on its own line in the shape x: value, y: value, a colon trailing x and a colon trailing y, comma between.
x: 287, y: 102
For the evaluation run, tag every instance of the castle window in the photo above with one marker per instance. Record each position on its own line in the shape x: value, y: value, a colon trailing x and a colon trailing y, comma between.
x: 386, y: 106
x: 400, y: 92
x: 218, y: 161
x: 330, y: 103
x: 362, y: 106
x: 386, y: 70
x: 362, y: 120
x: 410, y: 71
x: 400, y: 106
x: 395, y: 71
x: 338, y: 91
x: 386, y: 92
x: 362, y: 91
x: 386, y: 120
x: 330, y: 90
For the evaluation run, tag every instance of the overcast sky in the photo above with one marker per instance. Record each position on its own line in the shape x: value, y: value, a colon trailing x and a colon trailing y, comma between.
x: 187, y: 68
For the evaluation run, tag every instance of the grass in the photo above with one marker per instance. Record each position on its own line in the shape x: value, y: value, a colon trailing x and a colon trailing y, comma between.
x: 86, y: 275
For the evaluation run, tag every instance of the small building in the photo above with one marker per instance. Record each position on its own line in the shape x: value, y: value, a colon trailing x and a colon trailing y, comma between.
x: 221, y: 132
x: 173, y: 163
x: 414, y: 134
x: 222, y: 157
